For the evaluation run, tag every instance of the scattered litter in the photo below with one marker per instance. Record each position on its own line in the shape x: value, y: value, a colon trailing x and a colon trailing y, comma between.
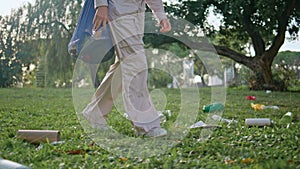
x: 228, y: 161
x: 162, y: 117
x: 124, y: 159
x: 270, y: 107
x: 258, y: 122
x: 39, y: 147
x: 219, y: 118
x: 164, y: 114
x: 126, y: 115
x: 75, y: 152
x: 261, y: 107
x: 201, y: 124
x: 257, y: 106
x: 250, y: 97
x: 268, y: 91
x: 286, y: 118
x: 247, y: 160
x: 7, y: 164
x: 168, y: 113
x: 37, y: 136
x: 57, y: 142
x: 53, y: 143
x: 213, y: 107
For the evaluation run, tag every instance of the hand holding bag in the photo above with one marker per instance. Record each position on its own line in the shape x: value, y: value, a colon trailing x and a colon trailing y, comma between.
x: 86, y: 45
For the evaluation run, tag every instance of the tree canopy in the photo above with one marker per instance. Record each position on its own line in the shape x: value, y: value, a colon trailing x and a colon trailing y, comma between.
x: 260, y: 24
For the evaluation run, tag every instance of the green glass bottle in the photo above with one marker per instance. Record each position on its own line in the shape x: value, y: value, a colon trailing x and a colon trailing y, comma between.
x: 213, y: 107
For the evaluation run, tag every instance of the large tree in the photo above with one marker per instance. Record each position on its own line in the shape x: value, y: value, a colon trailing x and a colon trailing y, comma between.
x: 38, y: 34
x: 260, y: 23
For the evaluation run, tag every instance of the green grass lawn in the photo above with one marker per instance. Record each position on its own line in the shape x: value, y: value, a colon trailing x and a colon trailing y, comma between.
x: 234, y: 146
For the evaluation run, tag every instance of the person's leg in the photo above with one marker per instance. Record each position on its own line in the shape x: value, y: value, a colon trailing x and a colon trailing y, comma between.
x: 136, y: 97
x: 97, y: 110
x: 127, y: 32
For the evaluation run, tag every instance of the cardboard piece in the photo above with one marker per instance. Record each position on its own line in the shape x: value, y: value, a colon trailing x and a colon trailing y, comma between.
x: 37, y: 136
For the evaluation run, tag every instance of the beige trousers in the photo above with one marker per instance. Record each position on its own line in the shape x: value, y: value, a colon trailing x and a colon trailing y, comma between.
x: 128, y: 75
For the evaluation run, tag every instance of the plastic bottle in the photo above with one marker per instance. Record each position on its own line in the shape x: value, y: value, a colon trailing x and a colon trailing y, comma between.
x: 250, y: 97
x: 271, y: 107
x: 286, y: 118
x: 213, y: 107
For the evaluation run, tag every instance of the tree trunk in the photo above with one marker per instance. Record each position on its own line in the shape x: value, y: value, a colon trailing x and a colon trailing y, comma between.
x: 263, y: 79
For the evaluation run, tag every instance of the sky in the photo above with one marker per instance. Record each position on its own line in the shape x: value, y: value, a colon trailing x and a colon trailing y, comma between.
x: 8, y: 5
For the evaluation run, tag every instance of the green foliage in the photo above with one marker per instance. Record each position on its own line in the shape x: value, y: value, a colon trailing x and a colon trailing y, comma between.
x: 38, y: 35
x: 234, y: 16
x: 10, y: 72
x: 286, y: 69
x: 158, y: 79
x: 289, y: 57
x: 10, y: 61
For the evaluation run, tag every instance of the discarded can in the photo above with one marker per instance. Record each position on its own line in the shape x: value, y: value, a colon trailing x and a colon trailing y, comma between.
x: 250, y: 97
x: 7, y: 164
x: 258, y: 122
x: 213, y: 107
x: 287, y: 118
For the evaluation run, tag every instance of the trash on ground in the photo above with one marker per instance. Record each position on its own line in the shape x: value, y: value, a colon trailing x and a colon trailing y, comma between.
x: 124, y: 159
x: 250, y: 97
x: 10, y: 164
x: 168, y: 112
x: 268, y: 91
x: 38, y: 136
x: 163, y: 115
x: 257, y: 106
x: 75, y: 152
x: 201, y: 124
x: 286, y: 118
x: 258, y: 121
x: 125, y: 115
x: 213, y: 107
x: 271, y: 107
x: 219, y: 118
x: 261, y: 107
x: 57, y: 142
x: 247, y: 160
x: 228, y: 161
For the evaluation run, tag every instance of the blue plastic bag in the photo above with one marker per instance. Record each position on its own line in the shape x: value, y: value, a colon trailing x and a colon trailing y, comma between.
x: 84, y: 45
